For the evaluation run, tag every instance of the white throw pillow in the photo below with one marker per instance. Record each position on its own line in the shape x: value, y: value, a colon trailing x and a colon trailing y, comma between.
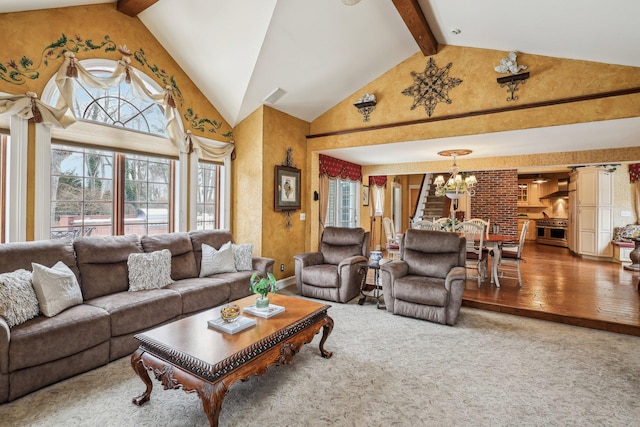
x: 149, y: 270
x: 243, y: 256
x: 56, y: 288
x: 217, y: 261
x: 18, y: 301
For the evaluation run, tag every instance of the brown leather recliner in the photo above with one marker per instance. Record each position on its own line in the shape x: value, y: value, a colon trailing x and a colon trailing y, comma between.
x: 333, y: 273
x: 428, y: 280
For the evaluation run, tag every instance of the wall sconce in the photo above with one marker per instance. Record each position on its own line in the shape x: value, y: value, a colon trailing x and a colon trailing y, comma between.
x: 366, y: 105
x: 510, y: 65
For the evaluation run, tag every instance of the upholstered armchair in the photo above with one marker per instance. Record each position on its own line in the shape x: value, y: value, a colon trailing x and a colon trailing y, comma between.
x: 428, y: 280
x: 333, y: 273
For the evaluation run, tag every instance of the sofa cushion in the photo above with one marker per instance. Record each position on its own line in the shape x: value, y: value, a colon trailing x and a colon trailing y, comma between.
x: 183, y: 259
x: 201, y: 293
x: 17, y: 297
x: 217, y: 261
x: 56, y: 288
x: 44, y: 339
x: 238, y: 283
x: 243, y: 256
x: 213, y: 238
x: 134, y: 311
x: 102, y: 262
x: 14, y: 256
x: 149, y: 270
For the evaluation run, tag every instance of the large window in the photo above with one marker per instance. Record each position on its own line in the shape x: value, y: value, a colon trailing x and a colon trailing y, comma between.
x: 98, y: 192
x: 343, y: 203
x: 208, y: 195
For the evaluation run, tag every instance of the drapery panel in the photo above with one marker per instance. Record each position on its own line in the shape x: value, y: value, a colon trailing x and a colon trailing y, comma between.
x: 71, y: 69
x: 335, y: 168
x: 207, y: 149
x: 29, y: 107
x: 634, y: 178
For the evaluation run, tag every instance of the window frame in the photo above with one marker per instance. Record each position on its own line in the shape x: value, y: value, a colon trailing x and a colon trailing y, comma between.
x: 335, y: 202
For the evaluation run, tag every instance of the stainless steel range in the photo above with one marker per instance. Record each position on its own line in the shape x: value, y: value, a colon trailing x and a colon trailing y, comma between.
x: 552, y: 231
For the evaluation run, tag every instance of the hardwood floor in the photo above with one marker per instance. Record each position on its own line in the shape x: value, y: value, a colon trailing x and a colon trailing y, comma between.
x: 565, y: 288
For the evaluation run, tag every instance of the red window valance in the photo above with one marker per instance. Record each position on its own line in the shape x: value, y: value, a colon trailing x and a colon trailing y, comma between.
x: 378, y: 181
x: 335, y: 168
x: 634, y: 172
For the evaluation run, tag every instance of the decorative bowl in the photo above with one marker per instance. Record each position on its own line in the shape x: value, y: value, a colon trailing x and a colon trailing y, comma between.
x: 230, y: 312
x: 375, y: 257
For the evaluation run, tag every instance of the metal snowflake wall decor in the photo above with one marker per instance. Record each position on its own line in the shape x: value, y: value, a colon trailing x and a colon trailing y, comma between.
x: 431, y: 86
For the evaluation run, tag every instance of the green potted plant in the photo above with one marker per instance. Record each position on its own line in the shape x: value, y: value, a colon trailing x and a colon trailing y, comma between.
x: 262, y: 286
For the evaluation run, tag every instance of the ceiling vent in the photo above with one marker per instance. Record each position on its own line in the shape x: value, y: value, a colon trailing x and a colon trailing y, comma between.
x: 275, y: 96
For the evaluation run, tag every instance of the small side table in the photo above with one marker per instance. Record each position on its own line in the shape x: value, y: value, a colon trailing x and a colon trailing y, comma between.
x: 376, y: 291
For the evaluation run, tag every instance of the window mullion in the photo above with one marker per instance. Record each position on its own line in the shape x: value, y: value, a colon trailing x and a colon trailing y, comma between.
x: 118, y: 199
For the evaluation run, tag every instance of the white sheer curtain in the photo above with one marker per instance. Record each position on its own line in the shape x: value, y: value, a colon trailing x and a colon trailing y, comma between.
x: 208, y: 149
x: 29, y: 107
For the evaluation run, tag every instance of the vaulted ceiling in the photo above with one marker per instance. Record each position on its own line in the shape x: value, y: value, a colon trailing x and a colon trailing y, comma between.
x: 319, y: 52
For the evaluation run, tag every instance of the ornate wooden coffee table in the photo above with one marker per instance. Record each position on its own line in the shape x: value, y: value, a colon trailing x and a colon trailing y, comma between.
x: 188, y: 354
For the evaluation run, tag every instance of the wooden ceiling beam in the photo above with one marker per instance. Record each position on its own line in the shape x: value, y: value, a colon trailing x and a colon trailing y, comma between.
x: 414, y: 19
x: 134, y: 7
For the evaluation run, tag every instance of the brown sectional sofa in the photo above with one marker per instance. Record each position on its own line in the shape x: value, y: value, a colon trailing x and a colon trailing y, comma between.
x: 45, y: 350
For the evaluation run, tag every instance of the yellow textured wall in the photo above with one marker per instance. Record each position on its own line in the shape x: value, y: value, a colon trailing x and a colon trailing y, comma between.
x: 247, y: 190
x: 262, y: 140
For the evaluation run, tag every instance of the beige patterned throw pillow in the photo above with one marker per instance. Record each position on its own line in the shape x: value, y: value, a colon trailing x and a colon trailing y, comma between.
x: 56, y: 288
x: 243, y: 256
x: 18, y: 301
x: 217, y: 261
x: 149, y: 270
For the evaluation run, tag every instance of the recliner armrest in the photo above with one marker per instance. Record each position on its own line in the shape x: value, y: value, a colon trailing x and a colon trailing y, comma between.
x: 396, y: 269
x: 356, y: 259
x: 309, y: 258
x: 456, y: 273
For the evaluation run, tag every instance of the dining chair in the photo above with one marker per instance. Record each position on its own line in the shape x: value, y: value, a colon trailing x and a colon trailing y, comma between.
x: 393, y: 248
x: 511, y: 256
x: 484, y: 223
x: 425, y: 224
x: 476, y: 254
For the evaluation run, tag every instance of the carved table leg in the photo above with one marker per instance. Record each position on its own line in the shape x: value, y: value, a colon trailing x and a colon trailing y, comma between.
x: 138, y: 366
x: 326, y: 330
x: 212, y: 397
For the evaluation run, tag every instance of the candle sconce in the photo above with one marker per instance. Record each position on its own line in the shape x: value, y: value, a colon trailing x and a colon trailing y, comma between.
x: 366, y: 105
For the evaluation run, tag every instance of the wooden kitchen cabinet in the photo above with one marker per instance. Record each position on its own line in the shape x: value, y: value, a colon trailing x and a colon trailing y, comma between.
x: 529, y: 193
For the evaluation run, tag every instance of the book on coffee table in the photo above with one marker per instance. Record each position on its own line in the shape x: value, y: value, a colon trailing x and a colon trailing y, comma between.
x: 270, y: 311
x: 240, y: 324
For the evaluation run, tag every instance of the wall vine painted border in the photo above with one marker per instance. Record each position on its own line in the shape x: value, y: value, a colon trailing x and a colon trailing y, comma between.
x: 19, y: 72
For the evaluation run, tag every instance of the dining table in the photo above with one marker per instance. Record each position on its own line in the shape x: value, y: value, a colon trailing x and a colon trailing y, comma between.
x: 494, y: 242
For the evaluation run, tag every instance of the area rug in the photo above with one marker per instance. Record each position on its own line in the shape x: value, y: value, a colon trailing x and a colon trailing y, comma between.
x: 490, y: 369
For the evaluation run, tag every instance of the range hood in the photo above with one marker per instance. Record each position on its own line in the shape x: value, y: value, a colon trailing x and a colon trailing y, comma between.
x: 562, y: 193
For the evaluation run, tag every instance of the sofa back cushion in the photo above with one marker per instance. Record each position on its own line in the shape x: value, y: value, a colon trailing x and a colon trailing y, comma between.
x: 339, y: 243
x: 431, y: 253
x: 14, y: 256
x: 102, y: 262
x: 213, y: 238
x: 183, y: 260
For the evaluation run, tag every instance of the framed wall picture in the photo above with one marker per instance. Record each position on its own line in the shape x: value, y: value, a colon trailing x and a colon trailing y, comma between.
x: 365, y: 195
x: 287, y: 188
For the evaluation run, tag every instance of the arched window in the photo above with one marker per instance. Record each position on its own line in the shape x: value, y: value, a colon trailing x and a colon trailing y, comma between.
x: 113, y: 171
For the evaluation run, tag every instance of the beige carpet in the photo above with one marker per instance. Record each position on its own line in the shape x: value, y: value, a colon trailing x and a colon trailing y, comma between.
x: 490, y: 369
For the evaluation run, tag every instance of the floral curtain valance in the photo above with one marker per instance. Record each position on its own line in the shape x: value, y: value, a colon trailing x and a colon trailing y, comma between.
x: 634, y: 172
x: 335, y: 168
x: 378, y: 181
